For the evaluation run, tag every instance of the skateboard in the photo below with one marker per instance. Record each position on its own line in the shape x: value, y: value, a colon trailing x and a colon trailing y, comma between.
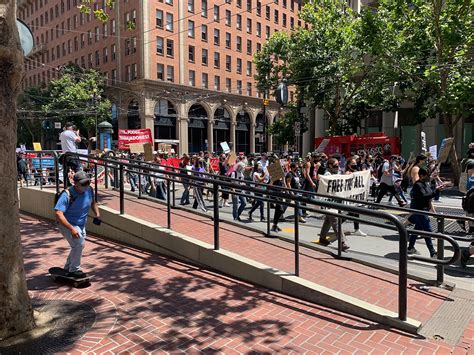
x: 59, y: 274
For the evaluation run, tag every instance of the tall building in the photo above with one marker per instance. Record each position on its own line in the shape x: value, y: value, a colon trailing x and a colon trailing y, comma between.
x: 184, y: 70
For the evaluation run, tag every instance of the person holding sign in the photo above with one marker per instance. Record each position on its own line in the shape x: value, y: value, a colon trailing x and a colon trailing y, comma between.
x: 330, y: 221
x: 238, y: 174
x: 351, y: 167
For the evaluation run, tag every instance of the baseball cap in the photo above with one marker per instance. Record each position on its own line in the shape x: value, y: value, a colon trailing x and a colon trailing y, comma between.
x: 81, y: 177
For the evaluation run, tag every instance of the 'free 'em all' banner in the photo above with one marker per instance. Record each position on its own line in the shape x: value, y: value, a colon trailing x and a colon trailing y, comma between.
x: 355, y: 186
x: 127, y: 136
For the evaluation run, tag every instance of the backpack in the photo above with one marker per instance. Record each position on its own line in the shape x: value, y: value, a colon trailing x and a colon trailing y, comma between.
x: 70, y: 197
x: 468, y: 201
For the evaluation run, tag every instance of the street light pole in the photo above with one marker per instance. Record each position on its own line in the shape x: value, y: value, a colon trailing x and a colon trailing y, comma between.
x: 265, y: 104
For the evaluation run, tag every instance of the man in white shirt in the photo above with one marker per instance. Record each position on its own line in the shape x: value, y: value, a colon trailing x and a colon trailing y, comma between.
x: 69, y: 138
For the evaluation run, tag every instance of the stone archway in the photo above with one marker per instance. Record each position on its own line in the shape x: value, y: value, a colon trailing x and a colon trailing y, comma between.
x: 242, y: 132
x: 222, y: 126
x: 133, y: 115
x: 197, y: 128
x: 165, y: 115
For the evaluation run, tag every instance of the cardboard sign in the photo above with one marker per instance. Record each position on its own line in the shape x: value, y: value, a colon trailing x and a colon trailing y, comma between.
x: 37, y: 146
x: 148, y: 150
x: 232, y: 158
x: 164, y: 147
x: 136, y: 148
x: 128, y: 136
x: 434, y: 151
x: 446, y: 145
x: 225, y: 147
x: 23, y: 148
x: 322, y: 146
x: 355, y: 186
x: 276, y: 171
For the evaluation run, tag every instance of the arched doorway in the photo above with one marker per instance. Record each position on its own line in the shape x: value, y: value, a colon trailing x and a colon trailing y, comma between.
x: 276, y: 148
x: 133, y: 115
x: 242, y: 133
x: 261, y: 136
x: 197, y: 128
x: 221, y: 128
x: 165, y: 120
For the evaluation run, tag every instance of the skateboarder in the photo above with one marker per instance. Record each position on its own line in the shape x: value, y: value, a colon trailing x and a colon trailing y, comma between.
x: 71, y: 214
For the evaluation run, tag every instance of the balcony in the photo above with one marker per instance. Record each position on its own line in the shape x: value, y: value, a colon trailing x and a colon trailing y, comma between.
x: 38, y: 49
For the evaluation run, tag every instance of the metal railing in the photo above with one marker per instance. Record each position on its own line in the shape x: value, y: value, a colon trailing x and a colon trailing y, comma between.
x: 271, y: 195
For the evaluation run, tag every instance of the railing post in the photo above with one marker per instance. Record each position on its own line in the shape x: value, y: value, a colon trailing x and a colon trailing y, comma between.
x: 56, y: 174
x: 106, y: 173
x: 140, y: 177
x: 297, y: 239
x: 174, y: 195
x: 168, y: 202
x: 65, y: 171
x: 215, y: 187
x: 122, y: 194
x: 40, y: 171
x: 440, y: 247
x: 268, y: 218
x: 402, y: 274
x: 95, y: 182
x: 339, y: 236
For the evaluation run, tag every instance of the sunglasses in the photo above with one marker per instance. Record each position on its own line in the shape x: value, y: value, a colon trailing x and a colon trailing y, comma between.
x: 87, y: 183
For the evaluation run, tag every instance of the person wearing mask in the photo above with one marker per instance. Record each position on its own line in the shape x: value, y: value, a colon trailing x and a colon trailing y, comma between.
x: 293, y: 183
x: 238, y: 174
x: 330, y: 221
x: 184, y: 164
x: 258, y: 176
x: 71, y: 209
x: 422, y: 200
x: 223, y: 170
x: 264, y: 161
x: 387, y: 181
x: 198, y: 170
x: 352, y: 167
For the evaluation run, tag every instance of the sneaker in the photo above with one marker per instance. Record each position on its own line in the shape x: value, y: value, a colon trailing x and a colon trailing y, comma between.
x: 275, y: 229
x: 77, y: 274
x: 402, y: 204
x: 307, y: 214
x: 433, y: 255
x: 413, y: 251
x: 391, y: 203
x: 345, y: 247
x: 250, y: 218
x: 465, y: 257
x: 323, y: 241
x: 302, y: 220
x: 226, y: 204
x: 262, y: 219
x: 359, y: 233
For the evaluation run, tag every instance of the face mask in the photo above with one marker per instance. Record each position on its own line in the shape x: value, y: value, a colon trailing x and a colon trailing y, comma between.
x: 81, y: 188
x: 353, y: 167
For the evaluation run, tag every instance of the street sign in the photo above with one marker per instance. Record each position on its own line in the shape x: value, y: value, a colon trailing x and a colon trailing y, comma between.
x: 266, y: 102
x: 57, y: 125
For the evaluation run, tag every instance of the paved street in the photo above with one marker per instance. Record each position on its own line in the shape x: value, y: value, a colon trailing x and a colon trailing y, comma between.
x: 149, y: 303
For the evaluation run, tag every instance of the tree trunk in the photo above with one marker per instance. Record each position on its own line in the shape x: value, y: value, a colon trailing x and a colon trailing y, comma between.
x: 16, y: 314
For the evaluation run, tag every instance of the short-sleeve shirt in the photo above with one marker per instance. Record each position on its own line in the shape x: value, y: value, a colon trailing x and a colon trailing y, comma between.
x: 386, y: 179
x: 68, y: 141
x: 76, y: 210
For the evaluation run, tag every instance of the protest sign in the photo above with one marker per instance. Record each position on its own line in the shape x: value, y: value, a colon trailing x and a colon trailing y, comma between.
x: 276, y: 171
x: 136, y: 148
x: 225, y: 147
x: 323, y: 145
x: 355, y: 186
x: 232, y: 158
x: 444, y: 149
x: 128, y: 136
x: 434, y: 151
x: 423, y: 142
x: 37, y: 146
x: 148, y: 150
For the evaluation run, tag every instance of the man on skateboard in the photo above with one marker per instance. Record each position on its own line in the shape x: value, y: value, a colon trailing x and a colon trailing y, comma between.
x: 71, y: 213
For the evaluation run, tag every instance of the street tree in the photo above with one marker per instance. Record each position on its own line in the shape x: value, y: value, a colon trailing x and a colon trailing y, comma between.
x: 16, y: 314
x: 426, y: 47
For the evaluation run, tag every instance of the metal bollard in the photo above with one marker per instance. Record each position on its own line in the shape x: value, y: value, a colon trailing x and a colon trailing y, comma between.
x: 40, y: 171
x: 268, y: 218
x: 168, y: 203
x: 297, y: 239
x: 216, y: 216
x: 122, y: 194
x: 440, y: 247
x: 174, y: 195
x: 339, y: 236
x: 95, y: 181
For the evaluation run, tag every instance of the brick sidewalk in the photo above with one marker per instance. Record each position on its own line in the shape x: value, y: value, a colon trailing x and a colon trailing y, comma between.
x: 146, y: 302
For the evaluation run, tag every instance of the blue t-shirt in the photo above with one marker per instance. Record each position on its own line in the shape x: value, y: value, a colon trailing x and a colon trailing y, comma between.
x: 77, y: 210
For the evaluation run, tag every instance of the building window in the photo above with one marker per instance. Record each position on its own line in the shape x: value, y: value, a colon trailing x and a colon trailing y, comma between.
x: 113, y: 52
x: 228, y: 40
x: 97, y: 58
x: 239, y: 43
x: 114, y: 26
x: 160, y: 71
x: 114, y: 76
x: 259, y: 46
x: 249, y: 46
x: 228, y: 63
x: 259, y: 29
x: 128, y: 71
x: 192, y: 78
x: 105, y: 55
x: 267, y: 12
x: 159, y: 19
x: 134, y: 71
x: 169, y: 22
x: 267, y: 32
x: 239, y: 87
x: 204, y: 8
x: 228, y: 17
x: 191, y: 6
x: 204, y: 57
x: 249, y: 68
x: 292, y: 5
x: 284, y: 3
x: 284, y: 20
x: 169, y: 48
x: 205, y: 80
x: 249, y: 25
x: 217, y: 83
x: 170, y: 73
x: 217, y: 60
x: 292, y: 22
x: 249, y: 89
x: 239, y: 3
x: 249, y: 5
x: 259, y: 8
x: 105, y: 30
x: 277, y: 16
x: 190, y: 28
x: 239, y: 22
x: 204, y: 33
x: 169, y: 2
x: 217, y: 36
x: 216, y: 13
x: 228, y: 85
x: 191, y: 53
x: 239, y: 66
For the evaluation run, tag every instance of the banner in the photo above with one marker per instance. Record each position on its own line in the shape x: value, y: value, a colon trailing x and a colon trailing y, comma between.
x: 444, y: 149
x: 127, y: 136
x: 355, y: 186
x: 322, y: 146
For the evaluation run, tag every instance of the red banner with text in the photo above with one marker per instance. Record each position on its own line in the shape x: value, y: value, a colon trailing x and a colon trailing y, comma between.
x: 128, y: 136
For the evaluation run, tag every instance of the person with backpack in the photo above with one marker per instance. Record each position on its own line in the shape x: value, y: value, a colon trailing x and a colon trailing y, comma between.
x: 71, y: 209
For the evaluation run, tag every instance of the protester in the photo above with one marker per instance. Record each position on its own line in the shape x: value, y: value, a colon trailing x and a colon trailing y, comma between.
x: 387, y: 181
x: 352, y: 167
x: 184, y: 164
x: 238, y: 199
x: 69, y: 138
x: 258, y: 176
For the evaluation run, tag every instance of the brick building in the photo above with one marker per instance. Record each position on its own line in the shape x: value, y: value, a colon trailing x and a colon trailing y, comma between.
x: 185, y: 70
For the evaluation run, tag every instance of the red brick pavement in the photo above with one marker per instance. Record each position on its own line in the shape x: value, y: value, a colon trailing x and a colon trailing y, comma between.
x: 150, y: 303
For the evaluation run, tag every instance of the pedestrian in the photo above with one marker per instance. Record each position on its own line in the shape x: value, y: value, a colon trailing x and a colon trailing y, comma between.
x: 387, y: 181
x: 71, y: 209
x: 238, y: 199
x: 69, y: 138
x: 258, y: 176
x: 223, y: 171
x: 22, y: 168
x: 184, y: 165
x: 293, y: 183
x: 198, y: 187
x: 422, y: 200
x: 352, y: 167
x: 330, y: 221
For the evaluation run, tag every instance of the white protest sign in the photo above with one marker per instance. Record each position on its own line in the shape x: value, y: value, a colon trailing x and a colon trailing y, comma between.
x: 355, y: 186
x: 324, y: 143
x: 423, y: 141
x: 225, y: 147
x: 434, y: 151
x: 444, y: 150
